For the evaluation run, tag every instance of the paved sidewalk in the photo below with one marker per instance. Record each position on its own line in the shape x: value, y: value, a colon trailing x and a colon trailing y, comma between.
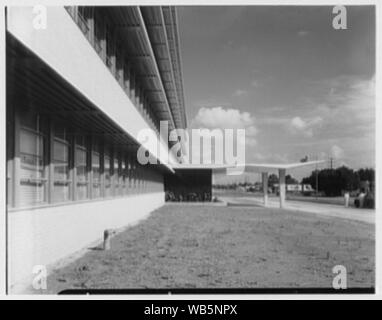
x: 364, y: 215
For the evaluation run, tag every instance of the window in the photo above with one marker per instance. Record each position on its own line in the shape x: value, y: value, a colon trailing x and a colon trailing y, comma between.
x: 107, y: 174
x: 124, y: 175
x: 143, y: 182
x: 134, y: 174
x: 54, y: 166
x: 71, y: 11
x: 33, y: 182
x: 126, y: 77
x: 109, y: 47
x: 83, y: 15
x: 81, y: 160
x: 140, y: 181
x: 96, y: 172
x: 97, y: 34
x: 129, y: 173
x: 61, y: 161
x: 119, y: 63
x: 117, y: 175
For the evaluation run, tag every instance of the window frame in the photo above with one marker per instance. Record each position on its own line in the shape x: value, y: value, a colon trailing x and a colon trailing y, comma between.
x: 69, y: 144
x: 38, y: 132
x: 83, y: 148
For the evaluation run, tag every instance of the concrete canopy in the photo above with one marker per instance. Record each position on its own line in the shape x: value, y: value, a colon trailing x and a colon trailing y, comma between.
x: 263, y: 168
x: 248, y: 167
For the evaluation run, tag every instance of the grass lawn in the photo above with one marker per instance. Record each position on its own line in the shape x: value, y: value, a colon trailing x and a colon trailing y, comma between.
x: 206, y: 246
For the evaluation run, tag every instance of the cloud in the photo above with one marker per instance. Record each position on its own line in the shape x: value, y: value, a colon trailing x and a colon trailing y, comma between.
x: 340, y: 107
x: 220, y: 117
x: 255, y: 84
x: 268, y: 157
x: 226, y: 118
x: 305, y: 126
x: 348, y: 109
x: 211, y: 102
x: 298, y: 123
x: 239, y: 93
x: 337, y: 152
x: 302, y: 33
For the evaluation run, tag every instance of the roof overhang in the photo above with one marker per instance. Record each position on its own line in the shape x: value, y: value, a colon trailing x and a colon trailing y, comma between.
x: 249, y: 167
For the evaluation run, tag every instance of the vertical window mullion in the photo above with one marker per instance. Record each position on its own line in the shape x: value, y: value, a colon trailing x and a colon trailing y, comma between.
x: 127, y: 78
x: 75, y: 13
x: 132, y: 86
x: 50, y: 161
x: 102, y: 169
x: 89, y: 170
x: 73, y: 169
x: 112, y: 173
x: 115, y: 173
x: 130, y: 172
x: 125, y: 173
x: 102, y: 26
x: 46, y: 158
x: 17, y: 162
x: 137, y: 97
x: 91, y: 26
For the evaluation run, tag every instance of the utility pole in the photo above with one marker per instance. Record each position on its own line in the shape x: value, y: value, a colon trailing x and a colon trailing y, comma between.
x: 316, y: 178
x: 331, y: 163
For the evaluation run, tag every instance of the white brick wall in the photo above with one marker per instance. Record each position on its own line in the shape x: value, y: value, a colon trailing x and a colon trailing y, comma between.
x: 45, y: 235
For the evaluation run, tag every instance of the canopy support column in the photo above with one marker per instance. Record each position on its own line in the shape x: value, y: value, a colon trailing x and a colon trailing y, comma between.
x: 282, y: 187
x: 264, y: 176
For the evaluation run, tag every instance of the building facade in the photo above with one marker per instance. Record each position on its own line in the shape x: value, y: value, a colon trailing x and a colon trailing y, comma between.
x: 81, y: 84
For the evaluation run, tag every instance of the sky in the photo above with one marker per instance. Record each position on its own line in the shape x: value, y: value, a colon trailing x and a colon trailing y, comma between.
x: 297, y: 85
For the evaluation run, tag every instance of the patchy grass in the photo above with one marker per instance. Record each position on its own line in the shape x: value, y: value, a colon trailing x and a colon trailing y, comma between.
x: 206, y: 246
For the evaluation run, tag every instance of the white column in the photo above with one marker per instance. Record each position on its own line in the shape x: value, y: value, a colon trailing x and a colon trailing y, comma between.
x: 282, y: 187
x: 264, y: 176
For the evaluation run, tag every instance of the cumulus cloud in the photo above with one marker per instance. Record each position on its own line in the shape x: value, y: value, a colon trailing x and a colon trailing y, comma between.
x: 346, y: 111
x: 302, y: 33
x: 305, y: 126
x: 239, y: 93
x: 298, y: 123
x: 268, y: 157
x: 349, y: 107
x: 255, y: 83
x: 220, y: 117
x: 226, y: 118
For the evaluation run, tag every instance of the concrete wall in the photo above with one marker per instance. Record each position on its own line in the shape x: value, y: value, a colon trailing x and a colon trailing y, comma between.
x: 42, y: 236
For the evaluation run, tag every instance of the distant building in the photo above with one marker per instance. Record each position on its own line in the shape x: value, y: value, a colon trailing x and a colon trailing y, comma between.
x: 80, y: 87
x: 296, y: 187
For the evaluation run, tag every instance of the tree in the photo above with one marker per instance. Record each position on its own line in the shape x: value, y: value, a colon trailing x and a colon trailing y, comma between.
x: 366, y: 174
x: 333, y: 181
x: 272, y: 180
x: 290, y: 180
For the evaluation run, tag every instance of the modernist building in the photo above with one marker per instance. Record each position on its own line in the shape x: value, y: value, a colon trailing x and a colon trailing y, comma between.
x: 82, y: 82
x: 79, y: 89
